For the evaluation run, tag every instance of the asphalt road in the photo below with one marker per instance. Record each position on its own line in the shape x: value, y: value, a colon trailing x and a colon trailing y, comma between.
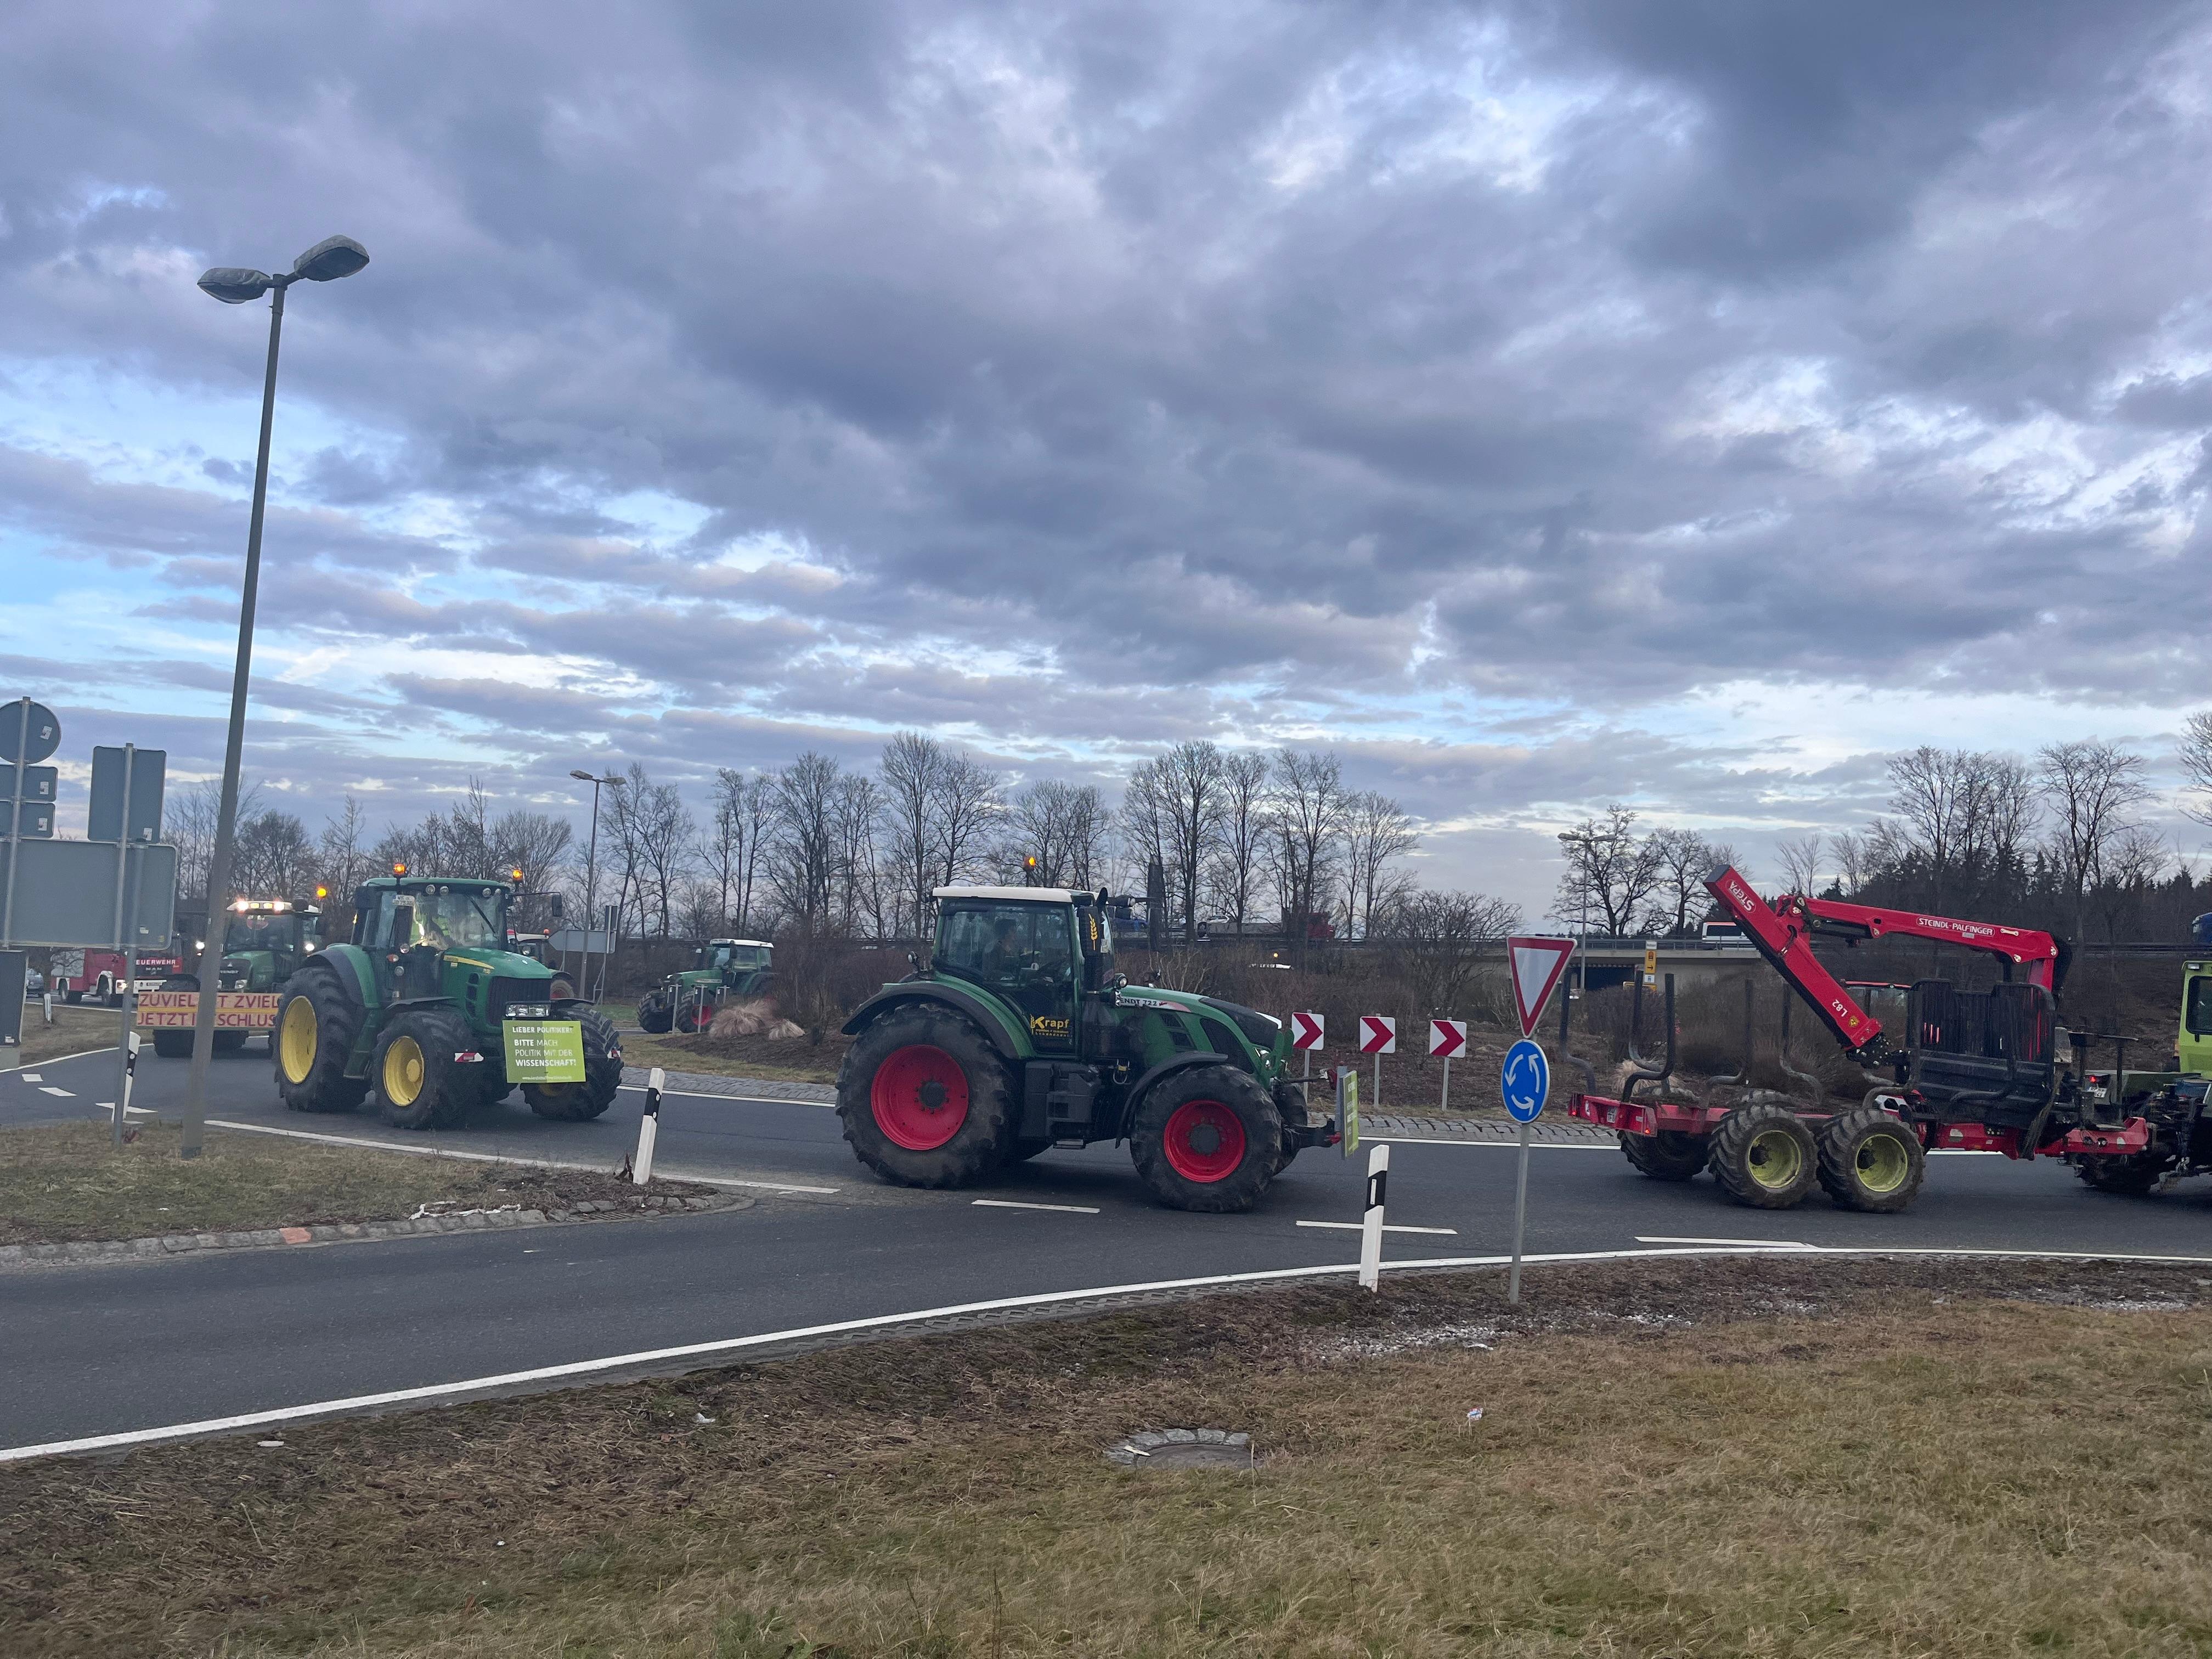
x: 89, y: 1351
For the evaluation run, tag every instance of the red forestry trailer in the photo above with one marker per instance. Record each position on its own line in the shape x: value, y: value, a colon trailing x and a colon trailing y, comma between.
x: 1974, y: 1071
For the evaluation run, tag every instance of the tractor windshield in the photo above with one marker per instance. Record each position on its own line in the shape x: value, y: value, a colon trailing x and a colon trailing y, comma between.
x: 737, y: 956
x: 459, y: 918
x: 258, y: 931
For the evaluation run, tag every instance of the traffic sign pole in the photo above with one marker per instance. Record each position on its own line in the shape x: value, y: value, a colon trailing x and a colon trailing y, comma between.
x: 1524, y: 1080
x: 1520, y: 1216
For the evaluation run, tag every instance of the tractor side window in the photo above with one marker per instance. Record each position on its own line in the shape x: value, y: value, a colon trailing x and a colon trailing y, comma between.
x: 375, y: 922
x: 2199, y: 1016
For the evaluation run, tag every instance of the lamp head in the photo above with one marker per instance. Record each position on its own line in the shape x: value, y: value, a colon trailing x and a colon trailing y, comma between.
x: 330, y: 258
x: 235, y: 284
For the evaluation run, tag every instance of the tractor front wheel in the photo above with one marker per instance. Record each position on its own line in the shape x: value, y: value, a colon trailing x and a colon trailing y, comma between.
x: 926, y: 1101
x: 573, y: 1103
x: 655, y: 1013
x: 418, y: 1082
x: 1763, y: 1157
x: 1208, y: 1138
x: 319, y: 1020
x: 1670, y: 1155
x: 1870, y: 1160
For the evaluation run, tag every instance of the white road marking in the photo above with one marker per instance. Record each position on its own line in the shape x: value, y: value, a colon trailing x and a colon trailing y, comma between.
x: 1354, y: 1226
x: 497, y: 1157
x: 1010, y: 1204
x: 1757, y: 1244
x: 1051, y: 1299
x: 58, y: 1060
x: 33, y: 1077
x: 49, y: 1089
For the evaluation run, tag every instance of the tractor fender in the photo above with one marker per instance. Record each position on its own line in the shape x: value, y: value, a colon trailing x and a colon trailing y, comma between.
x: 978, y: 1012
x: 1134, y: 1097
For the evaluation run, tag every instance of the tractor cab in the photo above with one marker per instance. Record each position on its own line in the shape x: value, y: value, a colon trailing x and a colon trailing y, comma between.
x: 266, y: 941
x: 733, y: 963
x: 440, y: 938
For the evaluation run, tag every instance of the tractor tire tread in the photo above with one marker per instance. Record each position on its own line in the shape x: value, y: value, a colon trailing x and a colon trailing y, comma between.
x: 1255, y: 1106
x: 338, y: 1012
x: 441, y: 1033
x: 1665, y: 1156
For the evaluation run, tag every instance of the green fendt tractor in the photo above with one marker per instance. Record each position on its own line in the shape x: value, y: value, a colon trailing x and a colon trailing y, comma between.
x: 265, y: 945
x: 427, y: 1010
x: 1020, y: 1036
x: 726, y: 969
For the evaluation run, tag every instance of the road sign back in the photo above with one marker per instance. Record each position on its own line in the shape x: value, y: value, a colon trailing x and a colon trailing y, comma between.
x: 1447, y: 1037
x: 1306, y: 1030
x: 1537, y: 964
x: 1378, y: 1034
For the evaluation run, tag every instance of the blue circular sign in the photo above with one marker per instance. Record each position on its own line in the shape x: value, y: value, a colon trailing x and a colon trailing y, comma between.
x: 1524, y: 1080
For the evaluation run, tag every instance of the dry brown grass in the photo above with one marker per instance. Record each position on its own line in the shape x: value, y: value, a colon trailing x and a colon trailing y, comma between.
x: 1778, y: 1458
x: 64, y: 1182
x: 74, y: 1031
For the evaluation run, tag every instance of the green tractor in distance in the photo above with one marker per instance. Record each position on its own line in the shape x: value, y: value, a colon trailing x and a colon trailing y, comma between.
x: 267, y: 940
x: 429, y: 1012
x: 724, y: 970
x: 1020, y: 1036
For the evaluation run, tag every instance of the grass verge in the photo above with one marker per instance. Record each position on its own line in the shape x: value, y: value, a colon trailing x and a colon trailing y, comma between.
x: 66, y: 1183
x: 73, y: 1032
x: 784, y: 1062
x: 1785, y: 1458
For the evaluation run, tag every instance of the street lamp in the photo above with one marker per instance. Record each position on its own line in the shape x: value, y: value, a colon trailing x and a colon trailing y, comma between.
x: 328, y: 260
x: 591, y: 876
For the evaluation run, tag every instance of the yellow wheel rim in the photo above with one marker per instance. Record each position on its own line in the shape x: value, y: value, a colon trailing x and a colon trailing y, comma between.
x: 1883, y: 1162
x: 402, y: 1071
x: 1775, y: 1158
x: 296, y: 1043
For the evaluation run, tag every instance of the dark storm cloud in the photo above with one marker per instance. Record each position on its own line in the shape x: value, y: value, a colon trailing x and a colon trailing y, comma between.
x: 1107, y: 376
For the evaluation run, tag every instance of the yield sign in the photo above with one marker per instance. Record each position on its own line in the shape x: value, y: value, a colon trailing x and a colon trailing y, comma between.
x: 1378, y: 1034
x: 1305, y: 1030
x: 1537, y: 964
x: 1447, y: 1037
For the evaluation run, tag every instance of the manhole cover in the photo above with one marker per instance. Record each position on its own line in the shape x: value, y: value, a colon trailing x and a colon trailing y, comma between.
x: 1183, y: 1449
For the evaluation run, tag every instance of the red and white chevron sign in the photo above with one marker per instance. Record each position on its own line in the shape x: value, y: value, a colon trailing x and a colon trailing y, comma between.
x: 1378, y: 1034
x: 1447, y: 1037
x: 1306, y: 1030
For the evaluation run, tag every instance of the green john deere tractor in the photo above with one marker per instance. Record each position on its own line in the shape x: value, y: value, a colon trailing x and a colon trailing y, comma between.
x: 724, y: 970
x: 427, y: 1011
x: 265, y: 942
x: 1020, y: 1037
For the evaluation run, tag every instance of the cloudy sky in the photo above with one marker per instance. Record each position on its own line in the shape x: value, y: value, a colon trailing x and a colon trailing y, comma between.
x: 1544, y: 404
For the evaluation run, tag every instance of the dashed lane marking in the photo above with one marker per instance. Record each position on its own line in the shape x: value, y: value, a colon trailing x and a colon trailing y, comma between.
x: 49, y: 1089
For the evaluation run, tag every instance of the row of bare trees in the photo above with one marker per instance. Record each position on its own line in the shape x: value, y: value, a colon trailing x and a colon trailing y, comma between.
x: 2056, y: 840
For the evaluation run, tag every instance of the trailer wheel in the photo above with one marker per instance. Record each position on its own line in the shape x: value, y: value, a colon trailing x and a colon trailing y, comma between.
x: 1870, y: 1161
x: 1763, y: 1157
x: 925, y: 1100
x: 1208, y: 1138
x: 2131, y: 1176
x: 319, y: 1020
x: 1669, y: 1155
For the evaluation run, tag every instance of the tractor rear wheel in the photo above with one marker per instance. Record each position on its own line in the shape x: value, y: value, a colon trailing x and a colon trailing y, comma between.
x: 2132, y: 1176
x: 1669, y: 1155
x: 1207, y: 1139
x: 319, y: 1020
x: 1763, y: 1157
x: 573, y: 1103
x: 926, y: 1101
x: 418, y: 1082
x: 229, y: 1043
x: 169, y: 1043
x: 1870, y: 1160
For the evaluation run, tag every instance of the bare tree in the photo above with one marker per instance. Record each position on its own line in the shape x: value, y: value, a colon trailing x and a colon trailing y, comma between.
x: 653, y: 834
x: 1611, y: 869
x: 2093, y: 788
x: 857, y: 814
x: 272, y: 856
x: 1963, y: 818
x: 532, y: 843
x: 342, y: 861
x: 804, y: 849
x: 1182, y: 794
x: 1305, y: 813
x: 1240, y: 848
x: 2196, y: 757
x: 188, y: 820
x: 2132, y: 865
x: 969, y: 806
x: 1685, y: 858
x: 1376, y: 831
x: 1851, y: 855
x: 1058, y: 824
x: 730, y: 847
x: 1800, y: 858
x: 910, y: 771
x: 1440, y: 938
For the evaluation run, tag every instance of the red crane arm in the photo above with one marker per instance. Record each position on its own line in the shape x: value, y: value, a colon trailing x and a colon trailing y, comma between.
x: 1784, y: 934
x: 1784, y: 938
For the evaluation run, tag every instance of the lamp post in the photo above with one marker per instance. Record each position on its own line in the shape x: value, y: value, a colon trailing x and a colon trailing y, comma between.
x: 327, y: 261
x: 591, y: 875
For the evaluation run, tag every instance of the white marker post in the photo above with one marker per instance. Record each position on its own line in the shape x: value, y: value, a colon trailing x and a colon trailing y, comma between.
x: 648, y: 1127
x: 123, y: 1089
x: 1370, y: 1224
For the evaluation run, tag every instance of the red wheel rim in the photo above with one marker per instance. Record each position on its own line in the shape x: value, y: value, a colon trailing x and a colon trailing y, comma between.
x: 919, y: 1098
x: 1204, y: 1141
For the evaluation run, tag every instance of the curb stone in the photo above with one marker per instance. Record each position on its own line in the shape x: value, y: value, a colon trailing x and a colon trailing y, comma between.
x: 339, y: 1232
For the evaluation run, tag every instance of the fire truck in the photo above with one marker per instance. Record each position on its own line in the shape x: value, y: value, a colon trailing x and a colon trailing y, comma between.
x: 97, y: 975
x: 1973, y: 1070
